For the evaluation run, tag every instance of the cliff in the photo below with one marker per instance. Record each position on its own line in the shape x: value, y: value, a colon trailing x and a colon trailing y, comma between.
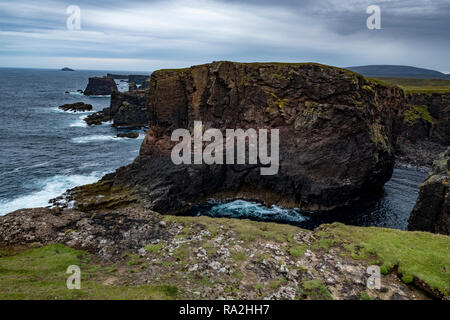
x: 432, y: 210
x: 337, y: 137
x: 127, y: 109
x: 135, y: 254
x: 100, y: 86
x: 425, y: 129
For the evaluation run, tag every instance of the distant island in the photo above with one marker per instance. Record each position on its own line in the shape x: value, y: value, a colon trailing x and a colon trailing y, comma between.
x: 67, y: 69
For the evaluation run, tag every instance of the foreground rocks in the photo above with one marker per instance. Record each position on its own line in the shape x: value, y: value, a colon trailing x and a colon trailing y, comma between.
x: 100, y: 86
x: 337, y: 133
x: 432, y: 210
x: 76, y: 107
x: 226, y: 258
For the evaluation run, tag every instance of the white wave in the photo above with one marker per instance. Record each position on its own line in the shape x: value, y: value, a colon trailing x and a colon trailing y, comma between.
x: 50, y: 188
x: 79, y: 123
x: 56, y: 109
x: 101, y: 137
x: 76, y: 93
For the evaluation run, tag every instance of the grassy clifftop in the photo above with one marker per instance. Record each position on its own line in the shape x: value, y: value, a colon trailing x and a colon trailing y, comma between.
x: 239, y: 259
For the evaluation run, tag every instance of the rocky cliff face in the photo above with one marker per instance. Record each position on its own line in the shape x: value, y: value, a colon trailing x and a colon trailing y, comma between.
x: 337, y: 134
x: 127, y: 109
x: 432, y: 210
x: 425, y: 129
x: 100, y: 86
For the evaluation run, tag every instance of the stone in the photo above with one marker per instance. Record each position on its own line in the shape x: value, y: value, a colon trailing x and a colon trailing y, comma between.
x: 100, y: 86
x: 432, y: 210
x: 76, y: 107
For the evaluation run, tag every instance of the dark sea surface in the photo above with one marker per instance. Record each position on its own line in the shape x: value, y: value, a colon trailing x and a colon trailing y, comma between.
x: 45, y: 151
x: 390, y: 208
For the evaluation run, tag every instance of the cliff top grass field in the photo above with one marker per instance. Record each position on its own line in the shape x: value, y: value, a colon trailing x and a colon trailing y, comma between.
x: 419, y: 85
x: 235, y: 259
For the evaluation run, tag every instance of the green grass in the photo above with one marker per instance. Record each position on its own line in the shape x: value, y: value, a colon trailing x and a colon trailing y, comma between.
x: 420, y: 85
x: 40, y: 273
x: 154, y: 248
x: 297, y: 251
x: 415, y: 113
x: 315, y: 289
x: 420, y: 255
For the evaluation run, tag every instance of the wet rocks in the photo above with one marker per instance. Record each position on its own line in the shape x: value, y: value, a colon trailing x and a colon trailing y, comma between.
x: 99, y: 117
x: 76, y: 107
x: 100, y: 86
x: 127, y: 109
x: 131, y: 135
x: 432, y: 210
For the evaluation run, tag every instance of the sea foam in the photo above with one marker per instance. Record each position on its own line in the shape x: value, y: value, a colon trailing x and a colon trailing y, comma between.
x: 50, y: 188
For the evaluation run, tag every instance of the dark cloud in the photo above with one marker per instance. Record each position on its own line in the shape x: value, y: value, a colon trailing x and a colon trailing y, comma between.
x: 181, y: 32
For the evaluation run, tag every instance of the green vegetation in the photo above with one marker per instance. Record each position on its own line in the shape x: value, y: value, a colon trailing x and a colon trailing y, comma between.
x: 420, y: 255
x: 364, y: 296
x: 154, y: 248
x: 297, y: 251
x: 415, y: 113
x: 315, y: 289
x: 40, y: 273
x: 420, y: 85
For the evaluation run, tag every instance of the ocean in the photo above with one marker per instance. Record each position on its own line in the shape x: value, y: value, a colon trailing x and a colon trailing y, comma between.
x: 45, y: 151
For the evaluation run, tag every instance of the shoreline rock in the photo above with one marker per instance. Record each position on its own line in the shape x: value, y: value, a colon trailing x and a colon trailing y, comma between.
x: 100, y: 86
x: 76, y: 107
x: 432, y: 210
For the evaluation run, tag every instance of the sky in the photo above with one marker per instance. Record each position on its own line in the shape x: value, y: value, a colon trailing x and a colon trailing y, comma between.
x: 147, y: 35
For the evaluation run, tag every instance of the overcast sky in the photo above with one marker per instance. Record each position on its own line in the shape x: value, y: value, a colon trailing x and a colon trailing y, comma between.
x: 147, y: 35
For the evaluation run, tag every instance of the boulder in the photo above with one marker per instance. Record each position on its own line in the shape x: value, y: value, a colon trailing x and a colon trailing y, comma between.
x: 131, y: 135
x: 77, y: 106
x: 337, y: 137
x: 100, y: 86
x: 432, y: 210
x: 99, y: 117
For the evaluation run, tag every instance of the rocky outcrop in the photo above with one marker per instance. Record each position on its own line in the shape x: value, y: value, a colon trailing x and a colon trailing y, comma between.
x: 425, y: 129
x: 209, y: 256
x: 76, y: 107
x: 432, y: 210
x: 127, y: 109
x: 131, y: 135
x: 100, y: 86
x: 337, y: 136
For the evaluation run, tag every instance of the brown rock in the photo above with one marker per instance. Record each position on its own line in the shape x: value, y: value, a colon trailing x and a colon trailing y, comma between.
x: 100, y: 86
x: 76, y: 107
x: 432, y: 210
x: 337, y: 135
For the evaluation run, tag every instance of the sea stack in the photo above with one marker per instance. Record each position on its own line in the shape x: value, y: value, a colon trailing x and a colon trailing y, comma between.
x: 432, y: 210
x: 100, y: 86
x: 337, y: 137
